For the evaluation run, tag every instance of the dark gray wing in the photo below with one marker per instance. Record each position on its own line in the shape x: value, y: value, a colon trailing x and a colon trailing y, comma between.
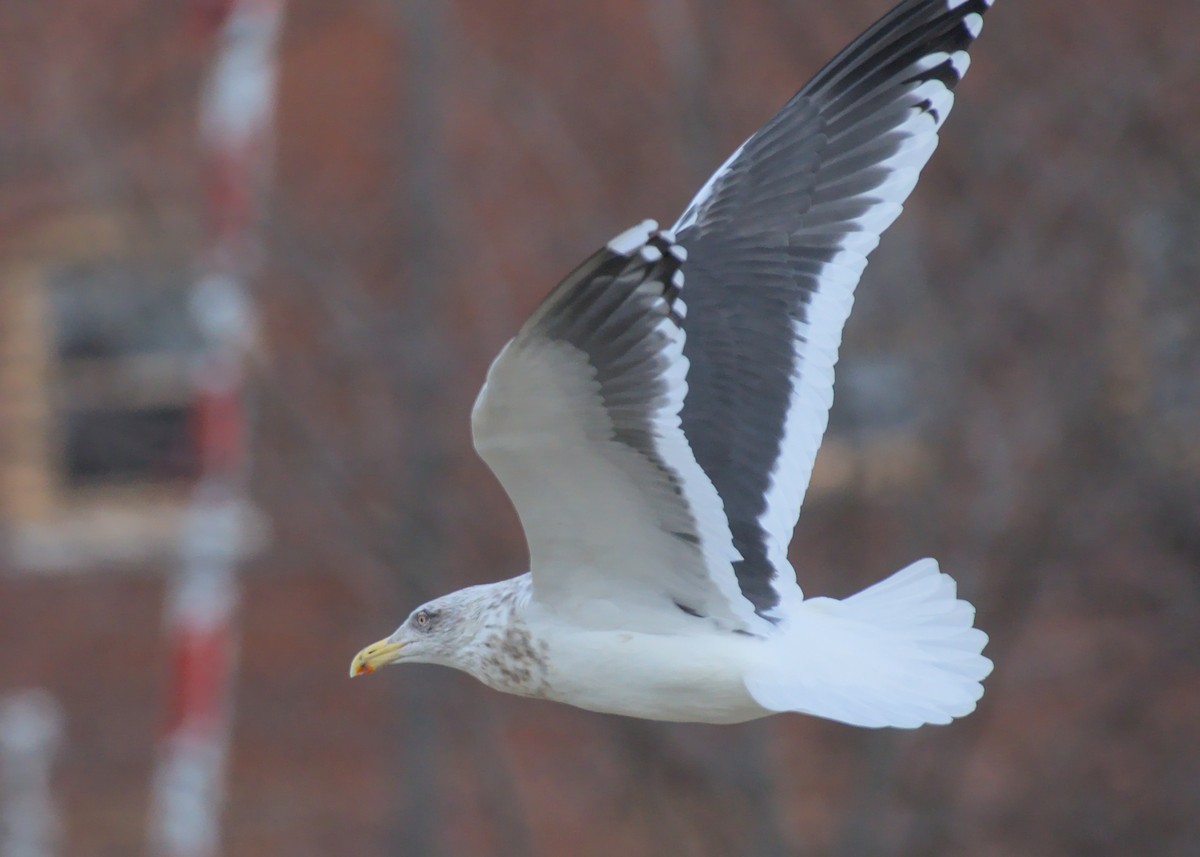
x: 579, y: 420
x: 777, y: 240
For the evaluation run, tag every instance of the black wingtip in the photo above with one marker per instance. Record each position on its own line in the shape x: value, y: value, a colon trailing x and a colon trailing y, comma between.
x: 912, y: 30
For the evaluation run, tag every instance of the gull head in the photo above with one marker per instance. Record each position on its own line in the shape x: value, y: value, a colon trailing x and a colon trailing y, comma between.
x: 441, y: 631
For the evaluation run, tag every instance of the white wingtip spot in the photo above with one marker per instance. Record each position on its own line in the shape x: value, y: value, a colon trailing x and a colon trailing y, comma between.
x: 677, y: 279
x: 632, y: 238
x: 954, y: 4
x: 961, y: 60
x: 973, y: 23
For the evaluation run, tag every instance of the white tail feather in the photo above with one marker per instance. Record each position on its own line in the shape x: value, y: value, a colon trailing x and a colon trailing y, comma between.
x: 900, y: 653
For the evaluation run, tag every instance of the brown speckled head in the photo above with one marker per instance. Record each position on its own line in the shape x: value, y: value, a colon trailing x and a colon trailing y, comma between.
x: 475, y: 630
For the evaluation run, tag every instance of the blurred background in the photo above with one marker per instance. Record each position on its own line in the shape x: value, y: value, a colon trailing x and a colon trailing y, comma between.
x: 255, y: 258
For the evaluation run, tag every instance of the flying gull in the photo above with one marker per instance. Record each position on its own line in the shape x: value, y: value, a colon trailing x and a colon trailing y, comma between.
x: 655, y: 423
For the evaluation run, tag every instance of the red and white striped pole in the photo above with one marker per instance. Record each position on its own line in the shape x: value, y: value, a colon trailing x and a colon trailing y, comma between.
x: 31, y: 731
x: 236, y: 119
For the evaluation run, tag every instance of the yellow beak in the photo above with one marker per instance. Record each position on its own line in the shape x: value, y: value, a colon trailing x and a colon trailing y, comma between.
x: 373, y: 657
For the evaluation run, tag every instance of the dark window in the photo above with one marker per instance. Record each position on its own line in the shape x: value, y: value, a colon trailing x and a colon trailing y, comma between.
x: 125, y: 345
x: 122, y: 445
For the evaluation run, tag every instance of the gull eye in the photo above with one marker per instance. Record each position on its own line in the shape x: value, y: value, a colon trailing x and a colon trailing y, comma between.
x: 422, y: 619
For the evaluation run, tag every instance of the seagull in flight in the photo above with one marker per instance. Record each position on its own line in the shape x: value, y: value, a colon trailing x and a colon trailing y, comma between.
x: 655, y: 423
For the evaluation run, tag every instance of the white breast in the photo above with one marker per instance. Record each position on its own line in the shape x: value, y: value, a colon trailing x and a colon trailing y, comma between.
x: 695, y: 678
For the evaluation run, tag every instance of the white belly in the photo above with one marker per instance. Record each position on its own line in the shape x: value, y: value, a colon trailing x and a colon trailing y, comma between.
x: 654, y: 676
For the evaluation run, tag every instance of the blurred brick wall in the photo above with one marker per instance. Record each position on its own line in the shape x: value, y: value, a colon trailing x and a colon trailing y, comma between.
x: 439, y: 167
